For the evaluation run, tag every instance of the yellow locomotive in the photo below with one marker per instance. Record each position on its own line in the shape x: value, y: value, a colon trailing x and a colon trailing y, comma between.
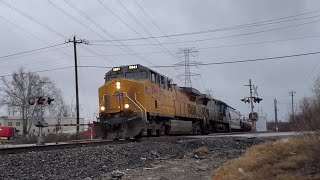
x: 136, y: 100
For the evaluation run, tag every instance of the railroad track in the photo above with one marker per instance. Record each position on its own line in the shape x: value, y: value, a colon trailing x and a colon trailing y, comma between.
x: 14, y: 149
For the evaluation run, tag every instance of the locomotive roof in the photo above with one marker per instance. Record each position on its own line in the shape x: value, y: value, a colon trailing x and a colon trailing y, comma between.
x: 205, y: 96
x: 191, y: 91
x: 124, y: 68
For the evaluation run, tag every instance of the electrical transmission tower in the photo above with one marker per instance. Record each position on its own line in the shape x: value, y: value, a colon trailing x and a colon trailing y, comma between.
x: 186, y: 52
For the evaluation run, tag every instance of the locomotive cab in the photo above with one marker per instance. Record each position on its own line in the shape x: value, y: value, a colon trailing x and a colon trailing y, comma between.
x: 120, y: 102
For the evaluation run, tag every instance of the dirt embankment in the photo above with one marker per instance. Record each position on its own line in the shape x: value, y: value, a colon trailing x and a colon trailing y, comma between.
x: 292, y: 158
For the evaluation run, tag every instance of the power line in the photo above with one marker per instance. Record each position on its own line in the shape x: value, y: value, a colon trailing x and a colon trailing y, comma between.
x: 22, y: 29
x: 34, y: 62
x: 212, y: 47
x: 143, y: 27
x: 123, y: 47
x: 243, y: 61
x: 101, y: 28
x: 33, y: 19
x: 96, y: 54
x: 232, y: 45
x: 151, y: 19
x: 30, y: 33
x: 219, y: 63
x: 130, y: 27
x: 149, y: 16
x: 198, y: 64
x: 25, y: 52
x: 75, y: 19
x: 16, y: 57
x: 40, y: 71
x: 230, y: 36
x: 82, y: 24
x: 261, y: 23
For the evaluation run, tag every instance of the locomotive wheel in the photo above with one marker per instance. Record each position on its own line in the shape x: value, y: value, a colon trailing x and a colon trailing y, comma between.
x: 158, y: 132
x: 149, y: 132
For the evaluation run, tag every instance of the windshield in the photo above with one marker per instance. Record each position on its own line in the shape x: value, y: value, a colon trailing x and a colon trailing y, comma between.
x: 136, y: 75
x: 113, y: 76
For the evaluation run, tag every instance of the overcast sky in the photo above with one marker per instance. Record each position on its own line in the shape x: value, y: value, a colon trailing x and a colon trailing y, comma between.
x: 123, y: 19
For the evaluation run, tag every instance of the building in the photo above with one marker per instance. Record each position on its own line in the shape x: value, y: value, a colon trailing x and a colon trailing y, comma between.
x: 261, y: 124
x: 67, y: 124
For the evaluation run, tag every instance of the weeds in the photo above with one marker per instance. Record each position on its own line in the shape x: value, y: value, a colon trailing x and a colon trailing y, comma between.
x: 201, y: 151
x: 293, y: 158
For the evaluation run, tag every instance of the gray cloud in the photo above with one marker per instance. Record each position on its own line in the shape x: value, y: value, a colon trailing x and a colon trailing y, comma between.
x: 275, y: 78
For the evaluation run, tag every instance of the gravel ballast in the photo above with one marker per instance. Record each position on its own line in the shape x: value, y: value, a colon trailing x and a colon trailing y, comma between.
x: 100, y: 161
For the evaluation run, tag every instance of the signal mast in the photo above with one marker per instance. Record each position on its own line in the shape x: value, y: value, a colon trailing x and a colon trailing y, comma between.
x: 253, y: 98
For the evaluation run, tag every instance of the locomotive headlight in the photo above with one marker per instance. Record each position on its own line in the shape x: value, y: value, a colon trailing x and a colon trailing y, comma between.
x: 102, y: 108
x: 118, y: 85
x: 126, y: 106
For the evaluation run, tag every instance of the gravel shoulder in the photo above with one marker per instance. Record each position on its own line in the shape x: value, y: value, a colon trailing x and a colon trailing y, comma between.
x: 154, y: 158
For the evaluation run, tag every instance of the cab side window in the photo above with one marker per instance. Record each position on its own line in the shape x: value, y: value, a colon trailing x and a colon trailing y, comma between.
x: 153, y: 77
x: 169, y: 84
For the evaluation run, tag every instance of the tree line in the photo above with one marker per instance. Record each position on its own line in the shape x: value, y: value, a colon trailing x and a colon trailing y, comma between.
x: 307, y: 117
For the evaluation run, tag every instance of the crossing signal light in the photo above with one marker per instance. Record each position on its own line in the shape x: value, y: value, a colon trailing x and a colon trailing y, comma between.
x: 258, y: 100
x: 245, y: 100
x: 40, y: 100
x: 50, y: 100
x: 31, y: 101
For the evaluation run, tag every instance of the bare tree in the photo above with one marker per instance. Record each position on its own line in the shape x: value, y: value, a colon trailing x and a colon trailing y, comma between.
x: 308, y: 114
x: 22, y: 86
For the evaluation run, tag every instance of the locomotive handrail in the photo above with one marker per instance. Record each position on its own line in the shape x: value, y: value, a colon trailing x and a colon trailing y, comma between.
x: 204, y: 117
x: 145, y: 110
x: 134, y: 103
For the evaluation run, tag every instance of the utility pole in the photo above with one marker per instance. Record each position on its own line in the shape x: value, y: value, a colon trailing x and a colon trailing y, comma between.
x: 75, y: 42
x: 253, y: 116
x: 276, y: 114
x: 291, y: 94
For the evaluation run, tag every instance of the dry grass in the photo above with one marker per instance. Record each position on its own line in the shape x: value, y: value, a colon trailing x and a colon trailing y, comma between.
x: 293, y: 158
x: 201, y: 151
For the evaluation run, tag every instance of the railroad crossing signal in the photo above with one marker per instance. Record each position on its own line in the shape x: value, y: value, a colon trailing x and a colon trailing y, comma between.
x: 40, y: 101
x: 245, y: 100
x: 257, y: 99
x: 50, y: 100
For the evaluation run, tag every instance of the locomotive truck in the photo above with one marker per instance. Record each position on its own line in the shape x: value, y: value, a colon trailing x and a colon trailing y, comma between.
x: 135, y: 101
